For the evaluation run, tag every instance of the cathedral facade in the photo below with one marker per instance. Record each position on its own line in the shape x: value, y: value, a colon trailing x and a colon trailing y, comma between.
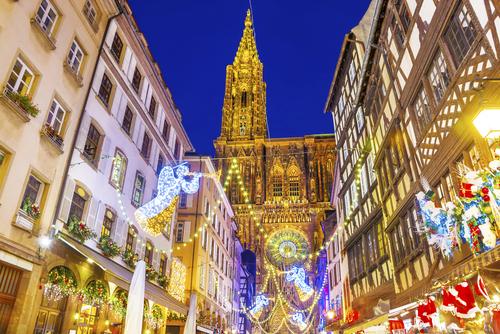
x: 279, y: 187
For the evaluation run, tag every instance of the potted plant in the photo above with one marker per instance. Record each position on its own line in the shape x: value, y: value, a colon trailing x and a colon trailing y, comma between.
x: 24, y: 102
x: 130, y: 258
x: 79, y: 230
x: 31, y: 209
x: 52, y: 134
x: 108, y: 246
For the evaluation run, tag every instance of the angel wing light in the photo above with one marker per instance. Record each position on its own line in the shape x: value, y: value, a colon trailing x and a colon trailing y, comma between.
x: 154, y: 215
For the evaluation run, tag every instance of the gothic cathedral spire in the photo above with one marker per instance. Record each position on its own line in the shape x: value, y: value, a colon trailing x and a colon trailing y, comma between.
x: 244, y: 109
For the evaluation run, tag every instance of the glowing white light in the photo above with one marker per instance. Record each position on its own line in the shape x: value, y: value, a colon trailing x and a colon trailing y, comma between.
x: 298, y: 276
x: 298, y: 319
x: 260, y: 302
x: 44, y: 242
x: 169, y: 186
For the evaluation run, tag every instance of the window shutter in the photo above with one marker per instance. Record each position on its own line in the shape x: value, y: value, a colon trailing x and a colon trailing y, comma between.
x: 121, y: 231
x: 92, y: 213
x: 99, y: 220
x: 66, y: 200
x: 105, y: 156
x: 187, y: 231
x: 189, y: 200
x: 82, y: 134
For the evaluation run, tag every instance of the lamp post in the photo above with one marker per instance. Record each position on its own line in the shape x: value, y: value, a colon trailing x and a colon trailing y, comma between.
x: 487, y: 123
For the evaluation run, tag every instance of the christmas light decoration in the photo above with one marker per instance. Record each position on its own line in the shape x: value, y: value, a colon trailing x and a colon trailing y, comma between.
x: 177, y: 283
x: 298, y: 277
x: 298, y: 320
x: 154, y: 215
x: 472, y: 218
x: 260, y: 302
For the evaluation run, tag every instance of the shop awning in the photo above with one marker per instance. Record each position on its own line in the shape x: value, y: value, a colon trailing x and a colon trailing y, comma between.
x: 380, y: 320
x: 121, y: 276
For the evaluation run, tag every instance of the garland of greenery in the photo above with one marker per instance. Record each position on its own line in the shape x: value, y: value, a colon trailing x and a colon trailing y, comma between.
x: 130, y: 258
x: 108, y: 246
x: 79, y: 230
x: 95, y: 293
x: 24, y: 102
x: 118, y: 303
x: 64, y: 279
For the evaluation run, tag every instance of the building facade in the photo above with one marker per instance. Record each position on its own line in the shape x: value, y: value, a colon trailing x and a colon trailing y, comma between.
x: 205, y: 220
x: 421, y: 82
x: 48, y: 55
x: 129, y: 130
x: 279, y: 188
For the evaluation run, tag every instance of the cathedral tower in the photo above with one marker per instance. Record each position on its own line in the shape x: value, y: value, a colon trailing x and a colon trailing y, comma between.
x: 244, y: 110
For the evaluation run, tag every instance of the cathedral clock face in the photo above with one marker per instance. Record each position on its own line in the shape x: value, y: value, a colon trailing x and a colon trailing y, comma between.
x: 286, y: 247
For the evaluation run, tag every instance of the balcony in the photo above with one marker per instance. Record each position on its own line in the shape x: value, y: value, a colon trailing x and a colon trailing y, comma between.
x: 25, y: 221
x: 53, y: 138
x: 21, y: 105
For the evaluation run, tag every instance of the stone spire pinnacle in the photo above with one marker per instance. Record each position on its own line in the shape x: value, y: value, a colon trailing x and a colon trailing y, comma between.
x: 244, y: 110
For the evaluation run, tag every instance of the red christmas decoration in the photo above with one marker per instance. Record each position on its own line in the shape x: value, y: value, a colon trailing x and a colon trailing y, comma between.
x: 465, y: 303
x: 448, y: 301
x: 466, y: 190
x: 480, y: 288
x: 425, y: 310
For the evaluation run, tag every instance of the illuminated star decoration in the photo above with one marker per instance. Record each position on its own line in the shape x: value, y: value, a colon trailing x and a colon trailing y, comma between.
x: 298, y: 277
x: 298, y: 320
x: 260, y: 302
x: 154, y: 215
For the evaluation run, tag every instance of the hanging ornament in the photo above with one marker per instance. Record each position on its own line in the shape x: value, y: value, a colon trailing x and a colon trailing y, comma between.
x: 298, y: 277
x: 465, y: 304
x: 480, y: 288
x: 298, y: 320
x: 260, y: 302
x: 425, y: 311
x: 154, y: 215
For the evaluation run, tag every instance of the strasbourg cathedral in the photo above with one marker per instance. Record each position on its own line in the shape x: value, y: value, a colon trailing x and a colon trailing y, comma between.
x: 287, y: 181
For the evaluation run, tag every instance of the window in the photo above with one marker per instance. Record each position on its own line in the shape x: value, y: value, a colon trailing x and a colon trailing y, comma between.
x: 183, y: 200
x: 460, y: 34
x: 105, y: 89
x: 207, y: 208
x: 146, y: 145
x: 364, y: 181
x: 439, y: 76
x: 78, y: 203
x: 117, y: 47
x: 55, y: 118
x: 152, y: 107
x: 422, y: 109
x: 119, y: 169
x: 277, y: 185
x: 90, y: 12
x: 404, y: 15
x: 163, y: 264
x: 46, y: 16
x: 75, y: 56
x: 204, y: 238
x: 244, y: 99
x: 177, y: 150
x: 21, y: 78
x: 369, y: 166
x: 130, y: 243
x: 138, y: 193
x: 165, y: 131
x: 352, y: 73
x: 128, y: 117
x: 92, y: 144
x: 107, y: 223
x: 161, y: 163
x: 354, y: 194
x: 294, y: 185
x: 32, y: 194
x: 360, y: 118
x: 136, y: 80
x: 398, y: 34
x: 148, y: 253
x: 347, y: 203
x: 202, y: 276
x: 179, y: 232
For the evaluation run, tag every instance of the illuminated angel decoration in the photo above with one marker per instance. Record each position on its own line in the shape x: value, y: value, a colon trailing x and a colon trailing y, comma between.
x: 298, y: 276
x: 260, y: 302
x: 154, y: 215
x: 298, y: 320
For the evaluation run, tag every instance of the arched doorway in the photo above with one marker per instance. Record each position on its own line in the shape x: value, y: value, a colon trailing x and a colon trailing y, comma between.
x: 93, y: 297
x: 61, y: 282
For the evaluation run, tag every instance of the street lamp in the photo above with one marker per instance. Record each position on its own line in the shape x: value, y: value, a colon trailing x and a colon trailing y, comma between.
x: 487, y: 122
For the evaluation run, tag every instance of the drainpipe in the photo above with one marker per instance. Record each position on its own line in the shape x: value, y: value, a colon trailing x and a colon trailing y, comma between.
x: 80, y: 118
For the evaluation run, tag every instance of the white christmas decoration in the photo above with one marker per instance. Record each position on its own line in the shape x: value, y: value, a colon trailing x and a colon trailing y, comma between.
x: 154, y: 215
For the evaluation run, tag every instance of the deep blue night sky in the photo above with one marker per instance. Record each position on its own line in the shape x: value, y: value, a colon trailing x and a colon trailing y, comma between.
x: 298, y: 42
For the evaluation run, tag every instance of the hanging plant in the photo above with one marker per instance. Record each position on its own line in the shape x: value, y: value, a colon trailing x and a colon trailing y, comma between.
x: 118, y: 303
x: 155, y: 318
x: 130, y: 258
x: 60, y: 283
x: 96, y: 293
x: 108, y: 246
x: 79, y: 230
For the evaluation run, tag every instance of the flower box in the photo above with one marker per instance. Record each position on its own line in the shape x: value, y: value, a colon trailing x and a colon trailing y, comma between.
x: 108, y: 246
x: 79, y: 230
x: 20, y: 104
x: 53, y: 137
x: 130, y: 258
